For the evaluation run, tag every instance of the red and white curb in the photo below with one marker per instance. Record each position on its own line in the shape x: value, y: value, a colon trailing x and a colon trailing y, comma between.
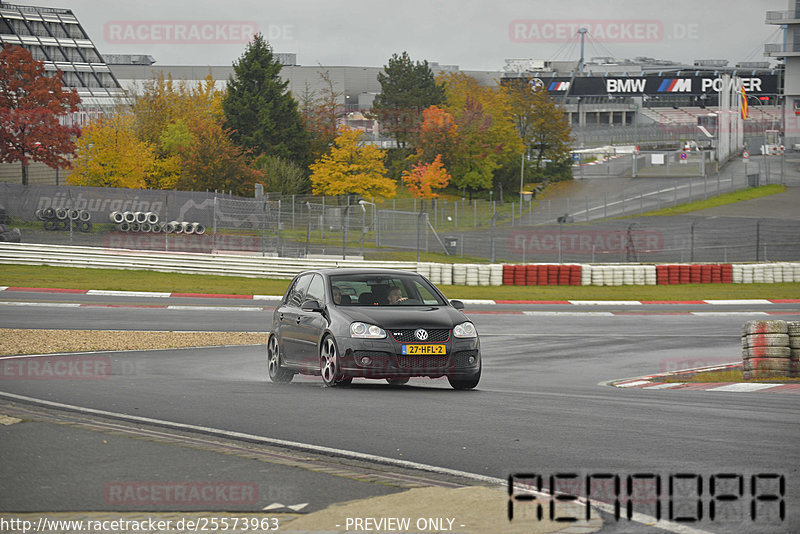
x: 651, y: 382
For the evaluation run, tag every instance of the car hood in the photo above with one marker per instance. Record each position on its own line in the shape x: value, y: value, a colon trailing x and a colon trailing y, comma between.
x: 406, y: 316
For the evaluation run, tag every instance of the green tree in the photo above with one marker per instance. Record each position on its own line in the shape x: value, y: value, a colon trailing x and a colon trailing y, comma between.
x: 486, y: 139
x: 320, y: 113
x: 212, y: 161
x: 543, y: 127
x: 351, y: 168
x: 282, y: 176
x: 260, y: 112
x: 407, y: 88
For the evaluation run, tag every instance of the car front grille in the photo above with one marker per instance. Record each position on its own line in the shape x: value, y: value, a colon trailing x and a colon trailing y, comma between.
x: 418, y: 363
x: 406, y: 335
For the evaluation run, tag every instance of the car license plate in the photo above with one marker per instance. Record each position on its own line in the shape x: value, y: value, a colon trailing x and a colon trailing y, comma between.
x: 412, y: 350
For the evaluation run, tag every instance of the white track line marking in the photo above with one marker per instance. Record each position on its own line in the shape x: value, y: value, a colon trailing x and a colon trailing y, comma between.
x: 605, y: 302
x: 44, y: 304
x: 710, y: 314
x: 267, y: 297
x: 568, y: 314
x: 217, y: 308
x: 608, y: 508
x: 110, y: 293
x: 743, y: 387
x: 739, y: 301
x: 666, y: 386
x: 632, y: 384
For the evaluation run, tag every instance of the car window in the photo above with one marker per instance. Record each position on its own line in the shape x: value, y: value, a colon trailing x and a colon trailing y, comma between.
x: 298, y: 292
x: 316, y: 290
x: 386, y: 290
x: 425, y: 294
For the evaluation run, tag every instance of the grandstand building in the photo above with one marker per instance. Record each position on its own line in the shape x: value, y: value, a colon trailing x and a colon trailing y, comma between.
x: 789, y: 52
x: 56, y: 37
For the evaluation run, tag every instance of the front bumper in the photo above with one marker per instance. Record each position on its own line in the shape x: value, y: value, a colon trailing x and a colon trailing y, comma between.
x: 383, y: 358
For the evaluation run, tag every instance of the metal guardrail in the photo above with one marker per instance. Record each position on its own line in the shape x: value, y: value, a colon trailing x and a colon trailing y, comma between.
x: 176, y: 262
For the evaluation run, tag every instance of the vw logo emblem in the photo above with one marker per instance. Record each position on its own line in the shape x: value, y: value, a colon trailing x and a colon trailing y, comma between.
x: 421, y: 334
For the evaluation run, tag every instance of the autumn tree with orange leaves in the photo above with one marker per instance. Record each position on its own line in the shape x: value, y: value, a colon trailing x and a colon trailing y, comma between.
x: 424, y: 178
x: 31, y: 103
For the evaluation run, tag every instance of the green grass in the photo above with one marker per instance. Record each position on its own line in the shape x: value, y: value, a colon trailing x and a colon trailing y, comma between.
x: 732, y: 375
x: 111, y: 279
x: 721, y: 200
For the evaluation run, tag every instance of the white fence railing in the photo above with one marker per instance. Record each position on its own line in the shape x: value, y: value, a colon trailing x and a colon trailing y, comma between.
x: 176, y: 262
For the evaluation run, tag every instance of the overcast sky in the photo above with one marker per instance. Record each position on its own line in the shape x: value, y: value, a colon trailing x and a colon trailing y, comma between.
x: 473, y: 34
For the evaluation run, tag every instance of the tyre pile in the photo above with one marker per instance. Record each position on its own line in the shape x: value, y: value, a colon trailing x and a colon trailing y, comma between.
x: 770, y: 349
x: 462, y: 274
x: 64, y: 219
x: 9, y: 235
x: 149, y: 222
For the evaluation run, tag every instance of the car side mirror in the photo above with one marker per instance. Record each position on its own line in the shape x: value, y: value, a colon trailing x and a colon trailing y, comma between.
x: 457, y: 304
x: 311, y: 306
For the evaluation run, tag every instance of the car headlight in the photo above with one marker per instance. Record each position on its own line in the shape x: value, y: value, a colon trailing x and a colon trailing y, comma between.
x: 465, y: 330
x: 368, y: 331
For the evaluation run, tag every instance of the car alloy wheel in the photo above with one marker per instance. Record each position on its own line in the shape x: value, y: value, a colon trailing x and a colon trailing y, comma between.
x: 329, y: 364
x: 277, y: 374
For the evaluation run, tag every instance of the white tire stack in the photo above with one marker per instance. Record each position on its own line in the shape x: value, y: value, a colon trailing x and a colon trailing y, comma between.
x: 447, y: 274
x: 586, y: 275
x: 484, y: 274
x: 650, y: 277
x: 793, y: 328
x: 766, y: 351
x: 436, y: 273
x: 496, y: 275
x: 424, y: 269
x: 472, y: 275
x: 460, y: 274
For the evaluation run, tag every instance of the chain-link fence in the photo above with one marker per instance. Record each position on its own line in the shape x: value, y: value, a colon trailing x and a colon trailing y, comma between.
x: 566, y: 229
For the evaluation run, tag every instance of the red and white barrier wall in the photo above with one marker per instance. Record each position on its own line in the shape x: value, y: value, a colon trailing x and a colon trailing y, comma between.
x: 544, y: 274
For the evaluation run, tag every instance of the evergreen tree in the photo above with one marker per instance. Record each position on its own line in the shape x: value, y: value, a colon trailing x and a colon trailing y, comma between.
x: 258, y: 108
x: 407, y: 88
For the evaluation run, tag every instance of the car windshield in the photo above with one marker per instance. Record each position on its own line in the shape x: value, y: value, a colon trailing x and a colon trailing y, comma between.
x: 383, y: 290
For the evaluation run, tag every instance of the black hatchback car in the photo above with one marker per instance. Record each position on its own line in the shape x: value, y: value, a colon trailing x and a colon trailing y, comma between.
x: 371, y: 323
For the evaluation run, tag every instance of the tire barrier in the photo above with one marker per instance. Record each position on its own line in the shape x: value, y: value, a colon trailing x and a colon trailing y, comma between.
x: 150, y: 222
x: 694, y: 274
x: 767, y: 349
x: 628, y: 274
x: 462, y: 274
x: 63, y: 219
x: 542, y: 275
x: 769, y: 273
x: 9, y: 235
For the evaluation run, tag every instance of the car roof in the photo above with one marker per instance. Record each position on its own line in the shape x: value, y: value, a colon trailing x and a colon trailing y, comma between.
x: 361, y: 270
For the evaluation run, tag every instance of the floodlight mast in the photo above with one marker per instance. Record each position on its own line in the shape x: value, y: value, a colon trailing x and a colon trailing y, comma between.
x: 582, y: 32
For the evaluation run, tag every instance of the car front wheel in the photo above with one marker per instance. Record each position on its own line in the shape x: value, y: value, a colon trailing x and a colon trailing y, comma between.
x: 329, y: 366
x: 277, y: 373
x: 469, y: 382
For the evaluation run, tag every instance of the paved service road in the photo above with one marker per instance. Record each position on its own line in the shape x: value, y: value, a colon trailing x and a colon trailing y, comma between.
x: 538, y: 409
